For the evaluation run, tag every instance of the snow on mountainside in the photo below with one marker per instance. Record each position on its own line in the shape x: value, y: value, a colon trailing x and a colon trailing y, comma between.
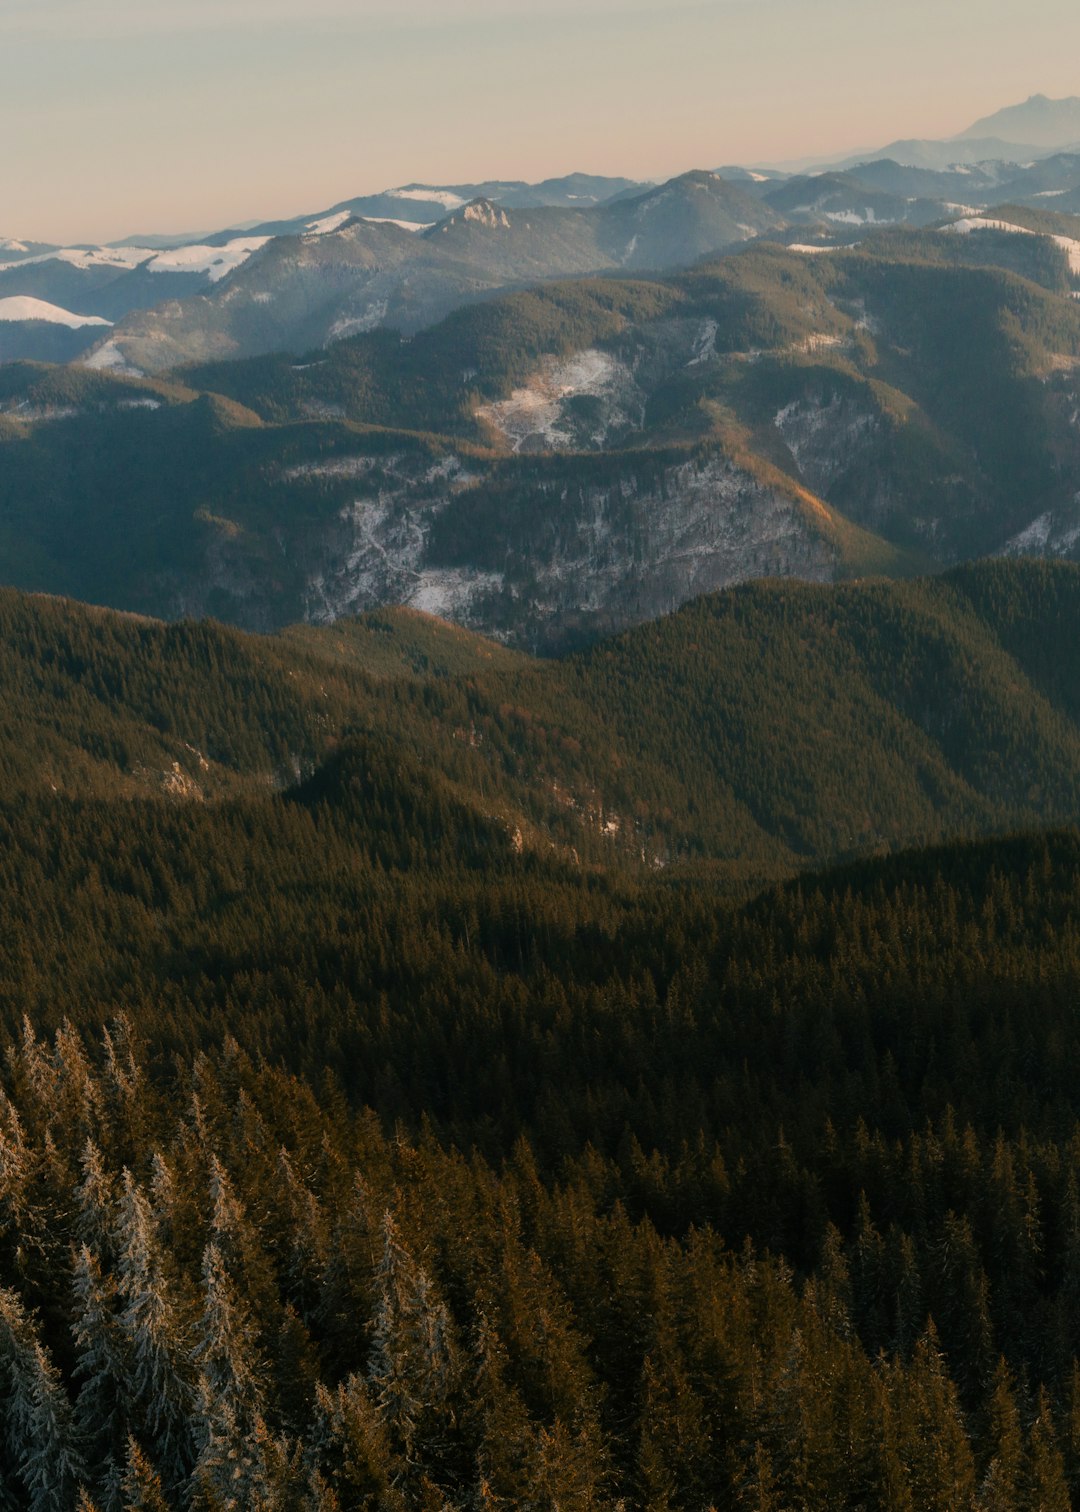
x: 123, y: 258
x: 323, y: 225
x: 380, y: 270
x: 215, y: 262
x: 445, y: 197
x: 548, y: 413
x: 967, y: 224
x: 625, y: 549
x: 19, y: 307
x: 403, y: 225
x: 301, y: 282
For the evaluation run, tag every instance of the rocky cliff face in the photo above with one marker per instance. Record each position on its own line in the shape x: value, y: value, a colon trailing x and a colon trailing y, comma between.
x: 567, y: 558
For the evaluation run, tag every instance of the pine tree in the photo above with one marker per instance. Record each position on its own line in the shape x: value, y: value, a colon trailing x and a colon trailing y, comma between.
x: 101, y: 1369
x: 228, y: 1470
x: 225, y: 1348
x: 1049, y: 1488
x: 156, y: 1350
x: 96, y: 1197
x: 353, y: 1447
x: 413, y: 1363
x: 506, y: 1438
x: 39, y: 1433
x: 141, y: 1486
x: 1003, y: 1484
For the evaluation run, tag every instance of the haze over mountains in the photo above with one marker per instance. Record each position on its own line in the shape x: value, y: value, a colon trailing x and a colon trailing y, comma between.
x: 551, y: 411
x: 299, y: 291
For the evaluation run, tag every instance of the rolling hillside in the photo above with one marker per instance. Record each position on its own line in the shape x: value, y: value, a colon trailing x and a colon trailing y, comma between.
x: 759, y: 731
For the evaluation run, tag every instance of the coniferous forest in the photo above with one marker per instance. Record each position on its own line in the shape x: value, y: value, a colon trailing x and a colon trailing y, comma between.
x: 436, y: 1079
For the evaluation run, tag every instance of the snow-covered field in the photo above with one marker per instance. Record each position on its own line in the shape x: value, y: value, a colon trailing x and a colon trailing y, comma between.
x: 851, y: 217
x: 338, y: 467
x: 705, y: 345
x: 216, y: 262
x: 444, y: 197
x: 356, y: 325
x: 449, y: 591
x: 1048, y: 535
x: 22, y: 307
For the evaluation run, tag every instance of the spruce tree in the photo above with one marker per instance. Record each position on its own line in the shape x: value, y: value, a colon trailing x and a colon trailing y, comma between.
x: 156, y: 1347
x: 40, y: 1447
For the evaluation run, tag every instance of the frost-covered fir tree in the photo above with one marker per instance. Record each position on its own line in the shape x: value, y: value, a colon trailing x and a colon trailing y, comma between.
x: 101, y: 1370
x: 225, y: 1344
x: 413, y: 1359
x: 156, y: 1347
x: 39, y: 1440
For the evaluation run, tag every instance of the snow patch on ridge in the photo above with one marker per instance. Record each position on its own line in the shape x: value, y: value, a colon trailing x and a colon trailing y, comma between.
x: 1069, y: 245
x: 21, y: 307
x: 216, y: 262
x: 405, y: 225
x: 88, y: 257
x: 444, y: 197
x: 327, y: 223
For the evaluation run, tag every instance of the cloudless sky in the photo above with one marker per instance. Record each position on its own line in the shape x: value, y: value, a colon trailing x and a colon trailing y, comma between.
x: 118, y: 116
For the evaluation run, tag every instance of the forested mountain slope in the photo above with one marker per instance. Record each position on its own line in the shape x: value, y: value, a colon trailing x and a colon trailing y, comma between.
x: 758, y: 731
x: 517, y: 1184
x: 563, y: 462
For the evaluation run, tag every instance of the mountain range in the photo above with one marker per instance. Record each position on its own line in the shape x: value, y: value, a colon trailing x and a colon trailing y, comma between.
x: 405, y: 257
x: 1014, y: 134
x: 557, y: 410
x: 555, y: 464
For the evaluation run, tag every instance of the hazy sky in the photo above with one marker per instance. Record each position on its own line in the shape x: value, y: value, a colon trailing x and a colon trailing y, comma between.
x: 119, y: 116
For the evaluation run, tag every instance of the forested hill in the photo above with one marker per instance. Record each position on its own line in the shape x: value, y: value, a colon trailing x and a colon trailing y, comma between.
x: 396, y: 1139
x: 758, y: 731
x: 332, y: 1179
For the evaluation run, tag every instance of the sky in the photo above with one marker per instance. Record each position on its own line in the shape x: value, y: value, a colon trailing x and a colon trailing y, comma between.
x: 120, y: 116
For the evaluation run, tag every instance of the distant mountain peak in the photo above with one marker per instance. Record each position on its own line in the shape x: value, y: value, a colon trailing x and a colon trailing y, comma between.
x: 1038, y: 122
x: 700, y: 178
